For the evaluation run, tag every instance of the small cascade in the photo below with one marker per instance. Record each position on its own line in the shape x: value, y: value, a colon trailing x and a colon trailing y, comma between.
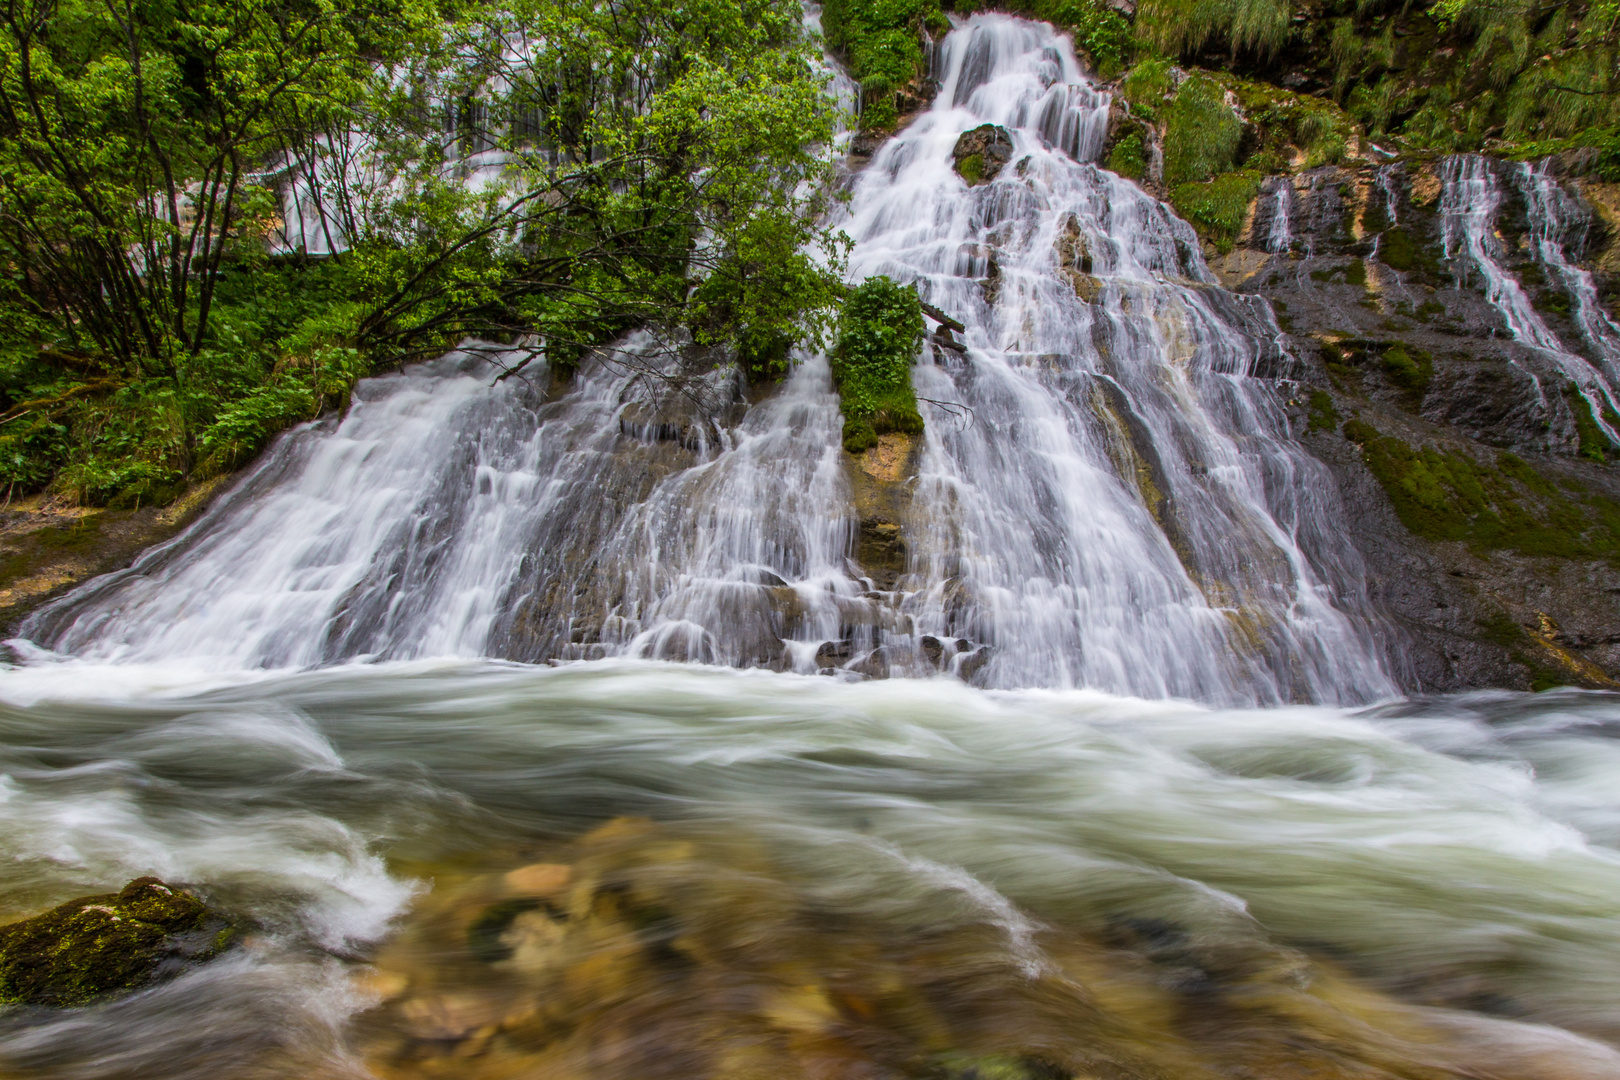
x: 1278, y: 213
x: 1557, y: 224
x: 1107, y: 494
x: 1469, y: 199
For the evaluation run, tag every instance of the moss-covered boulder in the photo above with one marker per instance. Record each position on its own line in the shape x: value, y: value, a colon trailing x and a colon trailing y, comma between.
x: 99, y: 945
x: 981, y: 153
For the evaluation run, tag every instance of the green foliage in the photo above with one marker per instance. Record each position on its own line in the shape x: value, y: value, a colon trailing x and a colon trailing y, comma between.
x: 879, y: 331
x: 662, y: 171
x: 1201, y: 132
x: 1098, y: 30
x: 1409, y: 373
x: 128, y: 139
x: 1147, y: 85
x: 881, y: 43
x: 1217, y: 209
x: 1441, y: 495
x: 1183, y: 27
x: 1594, y: 445
x: 1129, y: 157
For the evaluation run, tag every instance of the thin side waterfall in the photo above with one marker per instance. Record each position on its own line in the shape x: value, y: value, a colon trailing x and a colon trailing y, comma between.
x: 1107, y: 494
x: 1280, y: 204
x: 1557, y: 223
x: 1469, y: 199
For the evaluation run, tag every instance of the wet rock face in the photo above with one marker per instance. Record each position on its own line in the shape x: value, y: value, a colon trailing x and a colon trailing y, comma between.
x: 981, y: 153
x: 94, y: 946
x: 1399, y: 344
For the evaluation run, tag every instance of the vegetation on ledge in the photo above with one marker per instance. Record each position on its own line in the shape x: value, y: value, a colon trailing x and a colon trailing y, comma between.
x: 879, y: 333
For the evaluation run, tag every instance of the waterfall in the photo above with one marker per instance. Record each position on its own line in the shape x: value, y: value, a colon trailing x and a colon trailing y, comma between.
x: 1122, y: 506
x: 1556, y: 222
x: 1469, y: 199
x: 1107, y: 494
x: 1279, y: 210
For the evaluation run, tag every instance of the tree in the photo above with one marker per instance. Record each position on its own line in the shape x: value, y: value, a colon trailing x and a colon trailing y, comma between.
x: 130, y: 137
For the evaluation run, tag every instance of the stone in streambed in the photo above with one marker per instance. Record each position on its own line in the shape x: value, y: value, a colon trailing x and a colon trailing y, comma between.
x: 94, y: 946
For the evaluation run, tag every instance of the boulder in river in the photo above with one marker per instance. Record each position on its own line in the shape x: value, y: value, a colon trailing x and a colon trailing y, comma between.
x: 88, y: 948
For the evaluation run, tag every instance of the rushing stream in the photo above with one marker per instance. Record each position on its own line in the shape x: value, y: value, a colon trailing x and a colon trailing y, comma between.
x: 1170, y: 835
x: 888, y: 878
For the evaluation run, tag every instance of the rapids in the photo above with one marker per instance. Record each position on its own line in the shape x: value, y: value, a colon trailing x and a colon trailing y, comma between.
x: 884, y: 878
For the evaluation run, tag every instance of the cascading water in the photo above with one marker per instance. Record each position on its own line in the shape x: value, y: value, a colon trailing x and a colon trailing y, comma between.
x: 1557, y: 223
x: 1469, y: 200
x: 1122, y: 507
x: 1108, y: 495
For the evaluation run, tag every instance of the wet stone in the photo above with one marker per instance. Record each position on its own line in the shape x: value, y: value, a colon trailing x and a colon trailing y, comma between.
x: 95, y: 946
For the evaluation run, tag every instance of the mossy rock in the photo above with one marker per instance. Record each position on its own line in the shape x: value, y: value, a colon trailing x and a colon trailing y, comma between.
x: 94, y: 946
x: 980, y: 153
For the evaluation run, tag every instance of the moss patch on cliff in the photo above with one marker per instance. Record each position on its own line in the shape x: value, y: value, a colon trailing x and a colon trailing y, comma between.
x: 1217, y: 209
x: 1594, y: 444
x: 1505, y: 504
x: 879, y: 332
x: 97, y: 945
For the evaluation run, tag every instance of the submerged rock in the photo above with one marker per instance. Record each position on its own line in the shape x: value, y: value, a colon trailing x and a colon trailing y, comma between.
x: 99, y: 945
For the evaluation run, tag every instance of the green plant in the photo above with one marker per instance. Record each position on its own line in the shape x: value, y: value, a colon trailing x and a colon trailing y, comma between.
x: 1217, y: 209
x: 1201, y: 132
x: 1324, y: 417
x: 1182, y: 27
x: 879, y: 331
x: 881, y: 42
x: 1128, y: 158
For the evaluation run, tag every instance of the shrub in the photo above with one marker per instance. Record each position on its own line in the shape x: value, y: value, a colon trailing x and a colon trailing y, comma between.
x: 1201, y: 132
x: 879, y: 331
x: 1217, y: 209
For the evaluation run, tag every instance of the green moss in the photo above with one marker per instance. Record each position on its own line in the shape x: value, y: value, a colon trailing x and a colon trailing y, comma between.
x: 1217, y: 209
x: 879, y: 331
x: 1356, y: 273
x: 98, y: 945
x: 1322, y: 413
x: 1594, y: 444
x: 1201, y: 132
x: 1129, y: 158
x: 1406, y: 371
x: 1500, y: 629
x: 1099, y: 32
x: 1324, y: 417
x: 971, y: 168
x: 1505, y: 504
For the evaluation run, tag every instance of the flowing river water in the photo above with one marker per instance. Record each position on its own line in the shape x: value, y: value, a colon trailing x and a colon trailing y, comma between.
x: 527, y: 735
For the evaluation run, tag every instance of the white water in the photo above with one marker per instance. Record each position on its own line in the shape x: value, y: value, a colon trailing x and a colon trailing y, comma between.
x: 1109, y: 497
x: 1469, y: 200
x: 1453, y: 852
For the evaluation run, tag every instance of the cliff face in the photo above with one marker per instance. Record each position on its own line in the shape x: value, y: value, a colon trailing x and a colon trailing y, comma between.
x: 1452, y: 341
